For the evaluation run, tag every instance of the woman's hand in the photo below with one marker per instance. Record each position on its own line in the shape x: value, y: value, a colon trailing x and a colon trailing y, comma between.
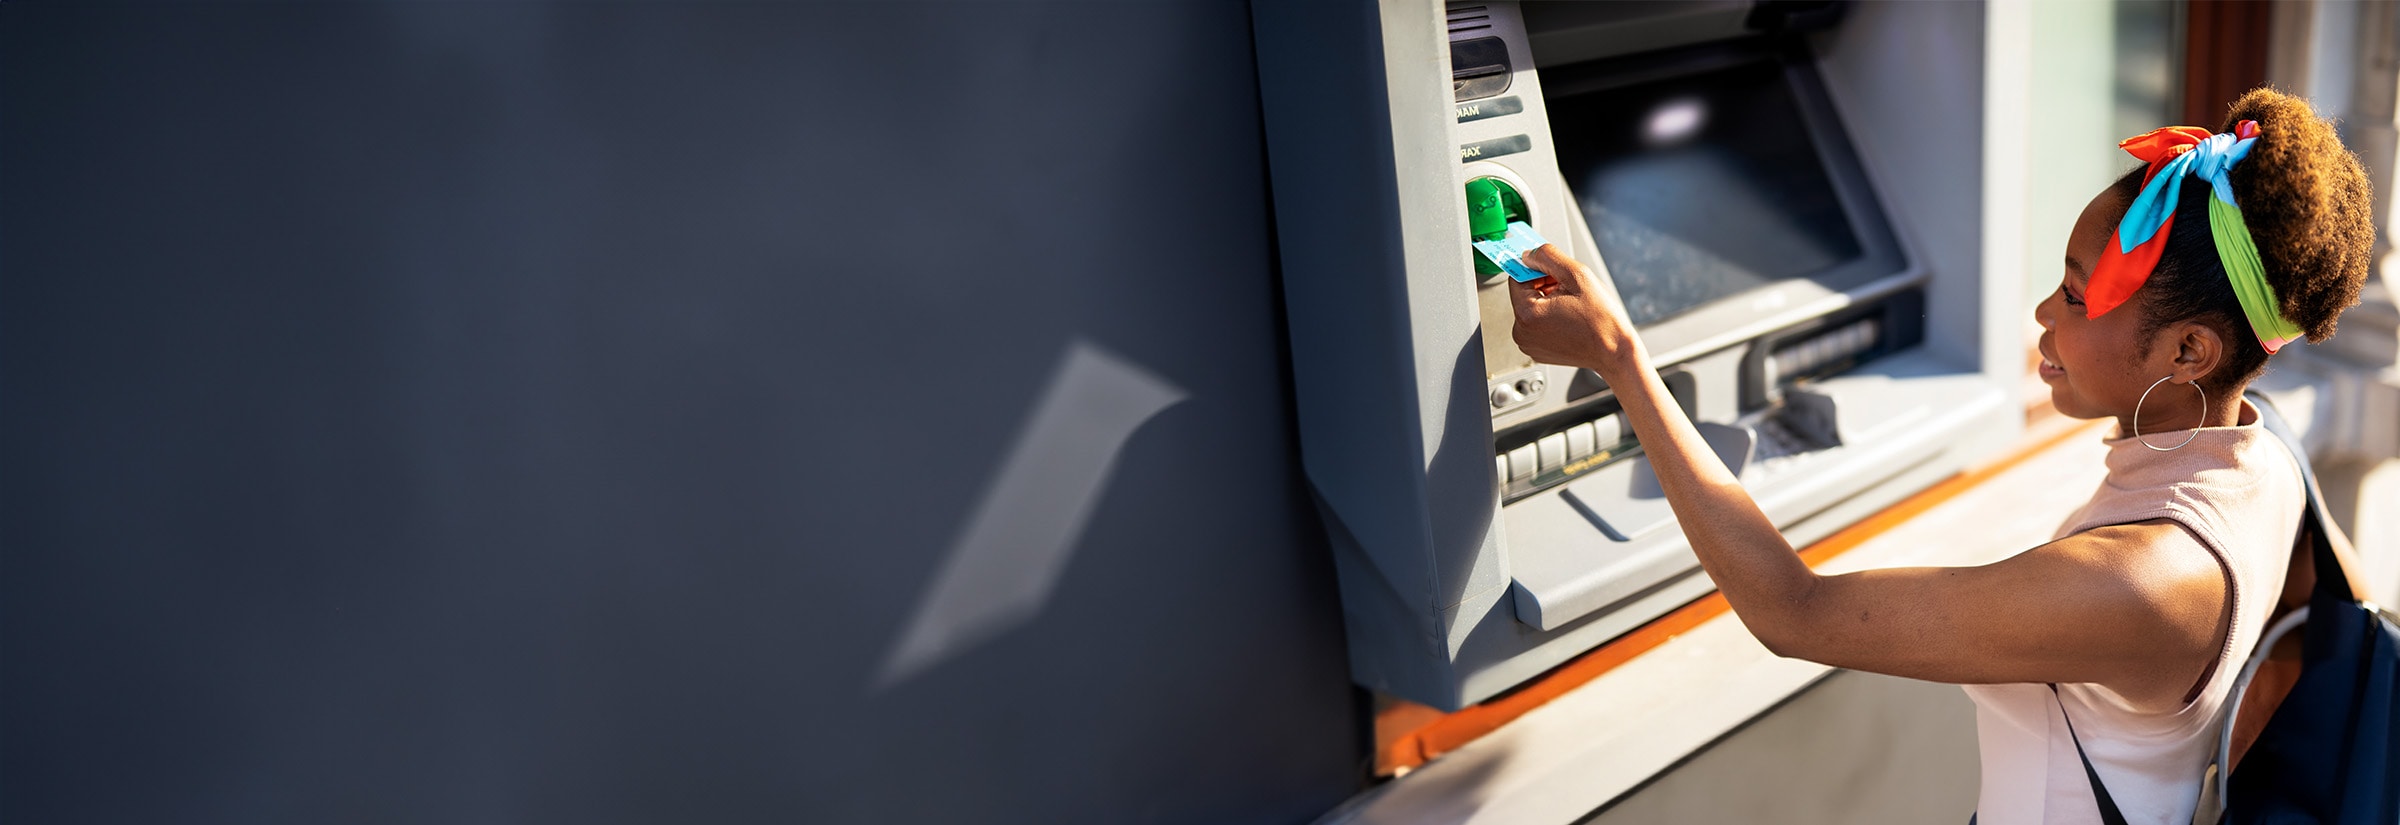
x: 1573, y: 317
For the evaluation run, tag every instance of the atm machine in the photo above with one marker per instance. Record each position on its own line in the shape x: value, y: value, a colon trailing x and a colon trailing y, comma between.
x: 1491, y: 518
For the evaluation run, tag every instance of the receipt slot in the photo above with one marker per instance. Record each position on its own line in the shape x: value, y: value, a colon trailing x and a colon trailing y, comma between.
x: 1492, y: 517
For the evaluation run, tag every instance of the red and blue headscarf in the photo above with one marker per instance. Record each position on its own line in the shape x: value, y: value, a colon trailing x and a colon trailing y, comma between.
x: 2126, y: 264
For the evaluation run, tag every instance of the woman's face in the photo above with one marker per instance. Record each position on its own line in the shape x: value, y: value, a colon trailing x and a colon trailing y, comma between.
x: 2098, y: 366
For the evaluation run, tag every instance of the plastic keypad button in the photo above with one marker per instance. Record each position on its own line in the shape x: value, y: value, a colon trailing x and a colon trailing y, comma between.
x: 1579, y: 442
x: 1607, y: 431
x: 1553, y: 450
x: 1520, y: 463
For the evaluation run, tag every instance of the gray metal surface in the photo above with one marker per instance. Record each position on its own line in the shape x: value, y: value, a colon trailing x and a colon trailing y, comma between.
x: 1877, y: 749
x: 647, y: 413
x: 1388, y: 342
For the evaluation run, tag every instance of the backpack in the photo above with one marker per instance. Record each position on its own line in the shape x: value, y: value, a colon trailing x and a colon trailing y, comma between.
x: 2330, y: 753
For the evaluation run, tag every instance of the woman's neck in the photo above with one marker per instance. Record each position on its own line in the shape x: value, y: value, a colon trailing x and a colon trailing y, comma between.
x: 2224, y: 410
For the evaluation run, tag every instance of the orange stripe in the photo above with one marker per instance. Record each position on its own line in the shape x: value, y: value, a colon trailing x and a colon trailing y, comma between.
x: 1408, y: 734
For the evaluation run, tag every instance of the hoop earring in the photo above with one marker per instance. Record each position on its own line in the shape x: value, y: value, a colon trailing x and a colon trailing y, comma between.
x: 2137, y: 416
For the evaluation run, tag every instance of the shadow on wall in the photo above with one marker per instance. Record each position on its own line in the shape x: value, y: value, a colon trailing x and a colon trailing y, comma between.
x: 1012, y: 551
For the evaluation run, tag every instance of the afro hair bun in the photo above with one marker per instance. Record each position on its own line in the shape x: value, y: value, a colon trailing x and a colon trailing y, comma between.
x: 2306, y: 201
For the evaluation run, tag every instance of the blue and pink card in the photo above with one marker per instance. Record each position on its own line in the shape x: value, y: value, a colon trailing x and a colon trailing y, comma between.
x: 1509, y: 251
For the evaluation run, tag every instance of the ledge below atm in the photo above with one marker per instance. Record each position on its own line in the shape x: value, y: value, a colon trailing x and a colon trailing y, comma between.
x: 1608, y: 538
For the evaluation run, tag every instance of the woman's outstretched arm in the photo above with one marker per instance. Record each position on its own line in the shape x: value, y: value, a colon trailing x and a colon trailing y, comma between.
x: 2136, y: 607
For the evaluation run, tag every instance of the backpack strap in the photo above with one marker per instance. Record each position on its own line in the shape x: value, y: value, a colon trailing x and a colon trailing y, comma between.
x: 2332, y: 580
x: 2109, y: 815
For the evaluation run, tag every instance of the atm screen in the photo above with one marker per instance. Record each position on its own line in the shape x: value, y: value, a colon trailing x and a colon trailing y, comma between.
x: 1700, y: 186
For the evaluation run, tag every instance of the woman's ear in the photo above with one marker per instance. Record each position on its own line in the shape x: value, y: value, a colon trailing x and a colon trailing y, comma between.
x: 2198, y: 350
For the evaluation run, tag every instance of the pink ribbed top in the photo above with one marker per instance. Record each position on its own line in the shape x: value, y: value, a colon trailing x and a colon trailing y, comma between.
x: 2237, y: 490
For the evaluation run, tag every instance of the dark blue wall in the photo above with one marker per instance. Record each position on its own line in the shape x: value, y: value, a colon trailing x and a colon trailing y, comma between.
x: 509, y: 413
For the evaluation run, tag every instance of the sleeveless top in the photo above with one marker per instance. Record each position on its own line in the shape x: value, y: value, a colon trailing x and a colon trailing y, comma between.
x: 2238, y: 491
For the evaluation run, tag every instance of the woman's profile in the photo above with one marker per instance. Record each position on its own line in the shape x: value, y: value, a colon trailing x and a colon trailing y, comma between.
x: 2179, y: 281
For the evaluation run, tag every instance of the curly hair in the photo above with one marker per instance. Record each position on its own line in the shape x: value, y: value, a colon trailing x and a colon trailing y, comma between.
x: 2306, y: 201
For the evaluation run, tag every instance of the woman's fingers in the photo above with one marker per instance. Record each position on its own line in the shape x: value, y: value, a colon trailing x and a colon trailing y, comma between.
x: 1565, y: 276
x: 1571, y: 276
x: 1571, y: 316
x: 1523, y: 294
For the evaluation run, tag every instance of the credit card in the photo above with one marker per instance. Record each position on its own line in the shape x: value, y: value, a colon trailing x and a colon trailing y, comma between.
x: 1508, y: 251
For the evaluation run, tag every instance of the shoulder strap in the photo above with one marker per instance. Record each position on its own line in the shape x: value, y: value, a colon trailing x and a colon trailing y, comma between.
x: 2109, y: 815
x: 2331, y: 578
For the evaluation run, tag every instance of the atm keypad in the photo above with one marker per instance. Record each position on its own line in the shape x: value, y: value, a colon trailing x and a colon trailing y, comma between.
x: 1558, y: 456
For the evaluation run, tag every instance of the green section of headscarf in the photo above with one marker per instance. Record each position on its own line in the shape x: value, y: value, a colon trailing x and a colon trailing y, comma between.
x: 2240, y: 256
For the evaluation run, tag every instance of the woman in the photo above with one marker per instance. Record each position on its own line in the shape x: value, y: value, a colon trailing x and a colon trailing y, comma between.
x: 2132, y: 624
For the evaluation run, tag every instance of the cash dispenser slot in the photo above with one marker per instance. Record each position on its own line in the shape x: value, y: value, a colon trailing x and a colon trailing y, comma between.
x: 1829, y: 346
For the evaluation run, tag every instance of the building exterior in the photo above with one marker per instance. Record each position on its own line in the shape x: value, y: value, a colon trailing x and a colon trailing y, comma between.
x: 877, y: 413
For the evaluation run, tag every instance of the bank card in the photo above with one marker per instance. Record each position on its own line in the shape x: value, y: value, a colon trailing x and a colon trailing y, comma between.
x: 1508, y: 251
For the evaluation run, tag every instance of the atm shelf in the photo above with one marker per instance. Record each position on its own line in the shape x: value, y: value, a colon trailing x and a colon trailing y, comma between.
x: 2049, y: 469
x: 1903, y: 412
